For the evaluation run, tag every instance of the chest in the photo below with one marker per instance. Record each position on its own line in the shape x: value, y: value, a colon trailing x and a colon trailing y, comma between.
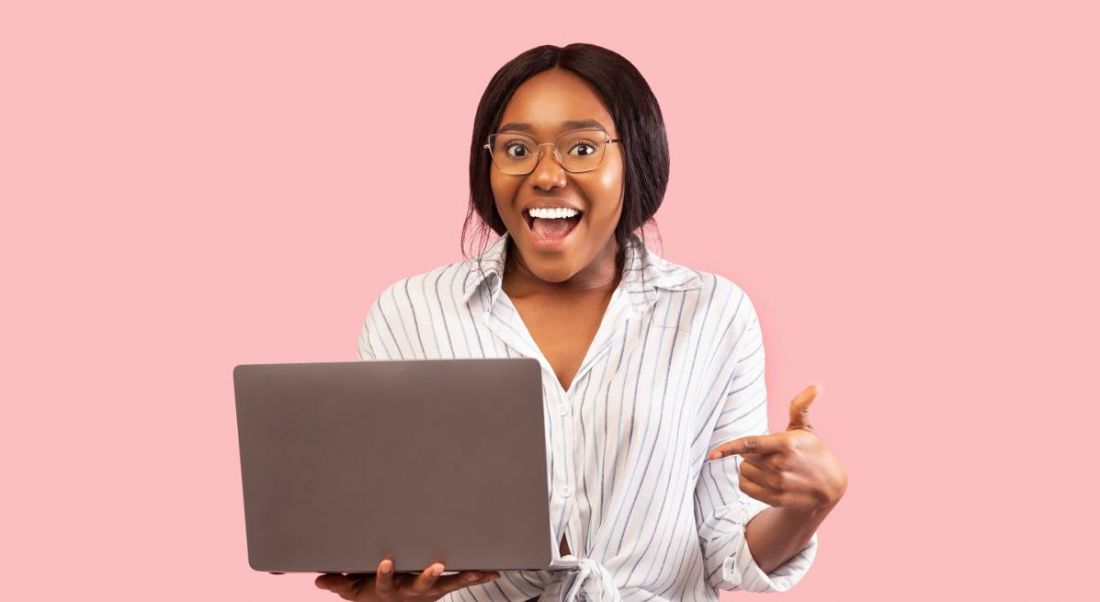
x: 563, y: 328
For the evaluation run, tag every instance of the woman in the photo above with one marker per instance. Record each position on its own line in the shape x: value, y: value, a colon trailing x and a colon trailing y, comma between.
x: 653, y: 373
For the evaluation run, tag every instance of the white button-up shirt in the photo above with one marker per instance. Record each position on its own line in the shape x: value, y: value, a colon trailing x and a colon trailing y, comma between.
x: 675, y: 368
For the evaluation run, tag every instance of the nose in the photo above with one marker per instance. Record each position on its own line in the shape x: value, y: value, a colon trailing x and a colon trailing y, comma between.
x: 548, y: 171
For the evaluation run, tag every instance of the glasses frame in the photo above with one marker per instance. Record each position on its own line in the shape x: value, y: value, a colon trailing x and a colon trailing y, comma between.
x: 557, y: 155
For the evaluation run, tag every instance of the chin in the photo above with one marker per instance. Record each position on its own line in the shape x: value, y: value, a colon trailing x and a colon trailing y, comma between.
x: 551, y: 270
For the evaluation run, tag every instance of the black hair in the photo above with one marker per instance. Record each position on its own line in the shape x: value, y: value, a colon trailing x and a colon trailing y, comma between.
x: 633, y: 107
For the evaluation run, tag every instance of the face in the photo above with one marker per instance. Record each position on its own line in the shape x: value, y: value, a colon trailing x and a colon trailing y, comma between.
x: 546, y: 103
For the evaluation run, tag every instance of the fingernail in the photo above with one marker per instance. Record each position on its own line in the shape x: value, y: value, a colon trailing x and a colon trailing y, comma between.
x: 387, y: 566
x: 472, y: 578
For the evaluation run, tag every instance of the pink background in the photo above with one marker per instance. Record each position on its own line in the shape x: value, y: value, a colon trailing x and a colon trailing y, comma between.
x: 908, y: 190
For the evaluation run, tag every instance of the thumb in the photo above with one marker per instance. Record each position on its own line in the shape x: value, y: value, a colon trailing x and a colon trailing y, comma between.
x: 800, y: 408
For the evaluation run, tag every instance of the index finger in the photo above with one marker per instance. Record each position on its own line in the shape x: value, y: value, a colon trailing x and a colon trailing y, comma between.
x: 753, y: 444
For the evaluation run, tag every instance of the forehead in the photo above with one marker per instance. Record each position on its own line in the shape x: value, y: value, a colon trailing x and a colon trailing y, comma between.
x: 550, y: 100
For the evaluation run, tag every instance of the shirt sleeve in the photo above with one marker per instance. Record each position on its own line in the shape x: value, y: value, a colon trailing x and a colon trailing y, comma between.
x: 371, y: 346
x: 722, y: 509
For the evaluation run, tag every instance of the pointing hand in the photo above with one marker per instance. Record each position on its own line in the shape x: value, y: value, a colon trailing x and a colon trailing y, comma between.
x: 792, y: 468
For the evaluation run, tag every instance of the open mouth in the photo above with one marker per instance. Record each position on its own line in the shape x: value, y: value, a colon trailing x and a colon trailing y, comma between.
x: 551, y: 228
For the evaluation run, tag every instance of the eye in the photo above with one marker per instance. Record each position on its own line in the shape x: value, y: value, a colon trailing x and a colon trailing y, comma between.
x: 515, y: 145
x: 584, y: 144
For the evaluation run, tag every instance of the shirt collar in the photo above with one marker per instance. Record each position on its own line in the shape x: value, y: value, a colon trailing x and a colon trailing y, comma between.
x: 643, y: 273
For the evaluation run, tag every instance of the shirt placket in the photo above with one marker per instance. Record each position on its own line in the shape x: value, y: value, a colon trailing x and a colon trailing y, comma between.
x: 567, y: 415
x: 564, y: 487
x: 560, y: 405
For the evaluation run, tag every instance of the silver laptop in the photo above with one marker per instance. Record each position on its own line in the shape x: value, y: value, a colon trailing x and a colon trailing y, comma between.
x: 346, y: 463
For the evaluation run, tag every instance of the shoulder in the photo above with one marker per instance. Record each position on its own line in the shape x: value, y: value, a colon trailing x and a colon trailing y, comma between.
x: 411, y: 317
x: 722, y: 304
x: 713, y: 288
x: 729, y: 293
x: 438, y: 283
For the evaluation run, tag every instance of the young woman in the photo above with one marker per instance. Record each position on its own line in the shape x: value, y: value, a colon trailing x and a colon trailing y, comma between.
x: 665, y: 482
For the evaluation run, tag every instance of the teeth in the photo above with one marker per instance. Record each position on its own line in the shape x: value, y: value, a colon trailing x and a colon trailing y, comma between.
x: 552, y: 213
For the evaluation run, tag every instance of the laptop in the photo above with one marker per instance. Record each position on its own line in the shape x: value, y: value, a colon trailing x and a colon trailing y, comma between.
x: 440, y: 460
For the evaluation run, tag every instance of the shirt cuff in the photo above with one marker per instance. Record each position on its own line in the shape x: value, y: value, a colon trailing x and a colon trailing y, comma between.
x: 741, y: 568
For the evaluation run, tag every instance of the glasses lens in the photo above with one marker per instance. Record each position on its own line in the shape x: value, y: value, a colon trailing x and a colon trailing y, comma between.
x: 582, y: 150
x: 513, y: 153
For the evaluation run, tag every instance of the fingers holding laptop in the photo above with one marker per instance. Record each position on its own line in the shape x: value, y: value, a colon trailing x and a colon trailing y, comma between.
x: 385, y: 585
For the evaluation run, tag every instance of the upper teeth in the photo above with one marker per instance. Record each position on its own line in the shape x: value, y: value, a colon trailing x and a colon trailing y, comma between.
x: 552, y: 213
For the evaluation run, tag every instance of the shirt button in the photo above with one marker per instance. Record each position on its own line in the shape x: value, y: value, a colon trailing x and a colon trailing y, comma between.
x: 565, y: 490
x: 563, y: 409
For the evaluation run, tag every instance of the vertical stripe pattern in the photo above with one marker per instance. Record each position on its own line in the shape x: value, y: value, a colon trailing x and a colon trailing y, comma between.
x: 676, y: 367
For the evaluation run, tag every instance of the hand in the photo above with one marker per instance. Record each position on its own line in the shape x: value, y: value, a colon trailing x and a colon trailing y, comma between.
x: 791, y: 469
x: 384, y: 585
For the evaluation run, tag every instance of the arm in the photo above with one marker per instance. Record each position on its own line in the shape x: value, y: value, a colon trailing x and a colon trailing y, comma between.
x: 778, y: 534
x: 723, y: 510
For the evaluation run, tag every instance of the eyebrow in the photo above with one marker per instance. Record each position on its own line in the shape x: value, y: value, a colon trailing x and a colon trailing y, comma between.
x: 573, y: 124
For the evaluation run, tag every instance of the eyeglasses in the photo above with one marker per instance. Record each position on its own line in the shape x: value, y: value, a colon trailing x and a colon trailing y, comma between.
x: 577, y: 151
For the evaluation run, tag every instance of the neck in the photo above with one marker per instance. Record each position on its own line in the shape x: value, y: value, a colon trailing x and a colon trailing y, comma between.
x: 601, y: 275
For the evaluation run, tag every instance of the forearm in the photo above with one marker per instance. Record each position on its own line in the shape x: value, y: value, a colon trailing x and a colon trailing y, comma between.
x: 778, y: 534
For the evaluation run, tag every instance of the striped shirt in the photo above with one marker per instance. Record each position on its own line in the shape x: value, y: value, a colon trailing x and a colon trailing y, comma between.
x: 676, y: 367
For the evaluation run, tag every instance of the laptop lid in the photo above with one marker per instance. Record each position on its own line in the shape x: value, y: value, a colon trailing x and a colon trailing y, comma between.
x: 346, y: 463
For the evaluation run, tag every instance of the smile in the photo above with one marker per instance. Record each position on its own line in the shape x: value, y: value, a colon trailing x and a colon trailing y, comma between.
x: 550, y: 227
